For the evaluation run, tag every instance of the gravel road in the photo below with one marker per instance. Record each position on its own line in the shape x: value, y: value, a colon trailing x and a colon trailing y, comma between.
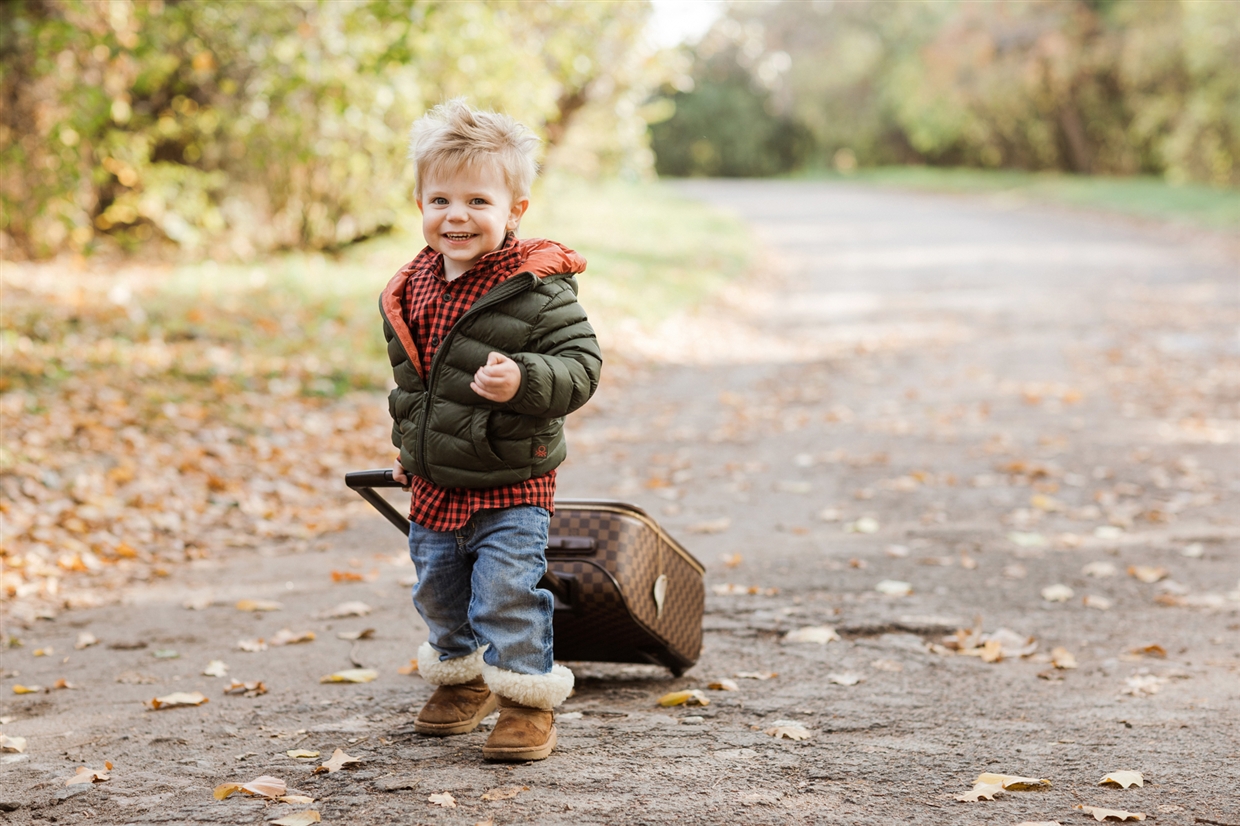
x: 923, y: 414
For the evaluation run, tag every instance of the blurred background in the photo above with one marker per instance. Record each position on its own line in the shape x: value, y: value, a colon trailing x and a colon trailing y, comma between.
x: 199, y: 203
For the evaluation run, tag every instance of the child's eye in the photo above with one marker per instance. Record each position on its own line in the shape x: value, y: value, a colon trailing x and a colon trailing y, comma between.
x: 479, y: 201
x: 439, y: 201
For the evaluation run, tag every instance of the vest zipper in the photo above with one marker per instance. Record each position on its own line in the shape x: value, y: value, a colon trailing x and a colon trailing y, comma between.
x: 507, y: 289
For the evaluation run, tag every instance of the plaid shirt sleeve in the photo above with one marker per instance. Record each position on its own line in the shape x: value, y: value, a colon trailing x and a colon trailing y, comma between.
x: 432, y: 306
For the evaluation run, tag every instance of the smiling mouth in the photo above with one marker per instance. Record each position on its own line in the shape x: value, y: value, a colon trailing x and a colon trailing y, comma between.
x: 458, y: 236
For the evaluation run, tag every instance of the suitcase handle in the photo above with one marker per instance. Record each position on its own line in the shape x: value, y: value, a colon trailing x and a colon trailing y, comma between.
x: 365, y: 482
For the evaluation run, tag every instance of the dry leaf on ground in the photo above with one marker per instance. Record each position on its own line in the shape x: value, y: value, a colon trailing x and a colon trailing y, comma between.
x: 337, y: 762
x: 1100, y: 813
x: 723, y: 685
x: 504, y: 792
x: 259, y: 605
x: 347, y: 609
x: 347, y: 576
x: 894, y: 588
x: 411, y: 668
x: 711, y: 526
x: 1096, y: 602
x: 251, y: 689
x: 821, y: 634
x: 788, y: 730
x: 1123, y: 779
x: 692, y: 697
x: 1012, y: 782
x: 253, y: 646
x: 981, y: 791
x: 12, y: 744
x: 1100, y: 569
x: 296, y: 799
x: 298, y: 819
x: 1148, y: 574
x: 264, y: 786
x: 351, y: 675
x: 732, y: 589
x: 1154, y: 650
x: 443, y: 799
x: 287, y: 637
x: 490, y: 821
x: 845, y: 678
x: 1141, y: 685
x: 85, y: 775
x: 215, y: 668
x: 1039, y: 823
x: 1062, y: 658
x: 865, y: 524
x: 887, y: 665
x: 302, y: 754
x: 179, y: 698
x: 757, y: 675
x: 85, y: 640
x: 364, y: 634
x: 26, y: 689
x: 1057, y: 593
x: 732, y: 560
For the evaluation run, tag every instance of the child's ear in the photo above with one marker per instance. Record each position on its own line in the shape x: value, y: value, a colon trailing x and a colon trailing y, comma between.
x: 519, y: 207
x: 418, y: 201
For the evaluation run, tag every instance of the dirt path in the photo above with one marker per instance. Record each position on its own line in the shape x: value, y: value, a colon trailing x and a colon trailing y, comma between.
x: 973, y: 398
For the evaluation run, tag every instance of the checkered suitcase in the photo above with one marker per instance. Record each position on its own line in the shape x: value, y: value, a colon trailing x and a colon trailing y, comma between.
x: 625, y: 591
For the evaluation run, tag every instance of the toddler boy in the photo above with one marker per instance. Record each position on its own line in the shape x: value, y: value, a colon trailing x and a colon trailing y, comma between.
x: 490, y: 352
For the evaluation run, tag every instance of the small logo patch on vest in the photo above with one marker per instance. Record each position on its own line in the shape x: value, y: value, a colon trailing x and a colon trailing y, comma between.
x: 541, y: 451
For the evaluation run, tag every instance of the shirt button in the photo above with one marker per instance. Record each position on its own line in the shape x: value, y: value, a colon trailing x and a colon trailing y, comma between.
x: 434, y: 341
x: 447, y: 296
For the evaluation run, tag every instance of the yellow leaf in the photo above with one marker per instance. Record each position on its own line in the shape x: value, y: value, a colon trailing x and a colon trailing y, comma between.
x: 15, y: 744
x: 85, y: 640
x: 253, y: 646
x: 412, y: 668
x: 981, y: 791
x: 302, y: 753
x: 298, y: 819
x: 85, y: 775
x: 180, y: 698
x: 347, y: 609
x: 1148, y: 574
x: 504, y: 793
x: 287, y: 637
x: 1101, y: 814
x: 263, y: 786
x: 364, y: 634
x: 693, y: 697
x: 296, y: 799
x: 224, y: 790
x: 26, y: 689
x: 252, y: 689
x: 1123, y: 779
x: 1011, y: 782
x: 215, y: 668
x: 337, y: 762
x: 724, y: 685
x: 757, y: 675
x: 351, y: 675
x: 258, y: 605
x: 444, y: 799
x: 1062, y: 658
x: 788, y: 730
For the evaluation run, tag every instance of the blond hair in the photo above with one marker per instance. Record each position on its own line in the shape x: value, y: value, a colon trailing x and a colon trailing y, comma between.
x: 453, y: 136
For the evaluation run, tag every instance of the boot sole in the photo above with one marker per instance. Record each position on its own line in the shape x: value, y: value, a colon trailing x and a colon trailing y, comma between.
x: 520, y: 755
x: 463, y: 727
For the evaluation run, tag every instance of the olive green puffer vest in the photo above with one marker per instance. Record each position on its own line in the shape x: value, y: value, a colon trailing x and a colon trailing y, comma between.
x: 454, y: 438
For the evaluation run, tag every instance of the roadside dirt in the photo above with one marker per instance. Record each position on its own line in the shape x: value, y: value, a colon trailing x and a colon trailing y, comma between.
x: 979, y: 402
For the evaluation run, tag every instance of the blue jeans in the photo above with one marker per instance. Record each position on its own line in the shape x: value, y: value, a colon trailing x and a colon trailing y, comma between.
x: 478, y: 585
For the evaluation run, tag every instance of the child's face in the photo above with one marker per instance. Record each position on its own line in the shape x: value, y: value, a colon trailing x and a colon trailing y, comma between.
x: 466, y: 214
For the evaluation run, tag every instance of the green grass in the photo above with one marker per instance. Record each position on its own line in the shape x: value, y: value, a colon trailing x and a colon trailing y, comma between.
x: 1146, y: 197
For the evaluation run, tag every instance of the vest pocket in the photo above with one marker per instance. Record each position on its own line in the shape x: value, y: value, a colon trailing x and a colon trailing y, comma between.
x: 479, y: 426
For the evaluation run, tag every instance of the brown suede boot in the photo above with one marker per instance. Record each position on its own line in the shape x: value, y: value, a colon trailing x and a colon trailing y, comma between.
x: 455, y: 709
x: 522, y: 733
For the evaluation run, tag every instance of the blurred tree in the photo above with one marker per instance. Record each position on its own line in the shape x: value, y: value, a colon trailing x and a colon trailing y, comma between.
x: 234, y: 128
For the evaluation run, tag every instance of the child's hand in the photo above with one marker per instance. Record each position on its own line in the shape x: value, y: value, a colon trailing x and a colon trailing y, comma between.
x: 498, y: 380
x: 399, y: 474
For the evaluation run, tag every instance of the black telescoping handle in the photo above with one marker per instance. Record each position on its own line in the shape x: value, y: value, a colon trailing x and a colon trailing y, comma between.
x: 365, y: 482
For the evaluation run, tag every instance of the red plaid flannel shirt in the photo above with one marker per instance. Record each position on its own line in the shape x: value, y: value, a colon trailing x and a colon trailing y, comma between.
x: 432, y: 305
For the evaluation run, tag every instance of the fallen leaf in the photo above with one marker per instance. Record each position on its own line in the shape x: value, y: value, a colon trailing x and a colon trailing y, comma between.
x: 1142, y: 685
x: 693, y: 697
x: 337, y: 762
x: 757, y: 675
x: 302, y: 753
x: 723, y: 685
x: 788, y: 730
x: 1108, y: 532
x: 821, y: 634
x: 63, y: 683
x: 351, y: 675
x: 894, y: 588
x: 43, y: 652
x: 200, y: 603
x: 347, y: 609
x: 1150, y: 651
x: 845, y: 678
x: 259, y: 605
x: 166, y: 654
x: 347, y: 576
x: 85, y: 640
x: 731, y: 589
x: 1039, y: 823
x: 286, y: 637
x: 1023, y: 539
x: 364, y: 634
x: 1062, y: 658
x: 490, y: 821
x: 504, y: 793
x: 298, y: 819
x: 13, y: 744
x: 1100, y: 569
x: 967, y: 562
x: 253, y: 646
x: 711, y: 526
x: 412, y: 668
x: 1194, y: 550
x: 443, y: 799
x: 180, y: 698
x: 215, y: 668
x: 1108, y: 814
x: 1148, y: 574
x: 251, y: 689
x: 981, y: 791
x: 887, y: 665
x: 1096, y: 602
x: 1123, y: 779
x: 865, y: 524
x: 264, y: 786
x: 1057, y: 593
x: 732, y: 560
x: 1011, y: 782
x: 296, y: 799
x: 85, y: 775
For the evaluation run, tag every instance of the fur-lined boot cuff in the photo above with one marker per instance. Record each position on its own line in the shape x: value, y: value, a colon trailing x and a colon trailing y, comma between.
x: 449, y: 672
x: 535, y: 690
